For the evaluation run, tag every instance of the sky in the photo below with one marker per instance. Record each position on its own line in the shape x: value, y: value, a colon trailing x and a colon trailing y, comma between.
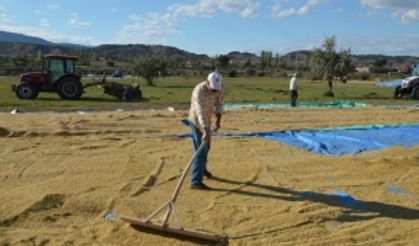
x: 215, y: 27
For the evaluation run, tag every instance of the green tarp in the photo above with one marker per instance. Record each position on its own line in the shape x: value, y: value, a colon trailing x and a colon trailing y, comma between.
x: 333, y: 104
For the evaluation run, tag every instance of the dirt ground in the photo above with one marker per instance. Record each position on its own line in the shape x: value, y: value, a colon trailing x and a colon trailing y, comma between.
x: 66, y: 178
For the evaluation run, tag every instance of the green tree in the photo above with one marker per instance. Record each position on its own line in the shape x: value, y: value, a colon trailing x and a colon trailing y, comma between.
x: 83, y: 57
x: 247, y: 64
x: 232, y: 73
x: 380, y: 66
x: 277, y: 60
x: 315, y: 66
x: 223, y: 61
x: 150, y: 68
x: 22, y: 62
x: 250, y: 72
x: 110, y: 63
x: 344, y: 65
x: 326, y: 63
x: 265, y: 59
x: 39, y: 60
x: 380, y: 62
x: 94, y: 57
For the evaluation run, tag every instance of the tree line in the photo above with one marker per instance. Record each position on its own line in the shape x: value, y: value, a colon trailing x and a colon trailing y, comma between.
x: 323, y: 63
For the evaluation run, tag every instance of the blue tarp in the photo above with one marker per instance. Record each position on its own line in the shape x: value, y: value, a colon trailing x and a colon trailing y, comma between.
x: 341, y: 140
x: 351, y: 141
x: 393, y: 83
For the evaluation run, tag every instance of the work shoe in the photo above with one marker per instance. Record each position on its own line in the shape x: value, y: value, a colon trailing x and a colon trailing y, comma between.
x: 200, y: 187
x: 207, y: 174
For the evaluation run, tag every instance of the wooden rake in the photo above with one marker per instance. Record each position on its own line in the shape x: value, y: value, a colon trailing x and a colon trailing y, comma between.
x: 169, y: 207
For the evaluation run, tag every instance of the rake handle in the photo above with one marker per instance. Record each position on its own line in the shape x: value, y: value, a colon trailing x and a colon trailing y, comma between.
x: 185, y: 171
x: 177, y: 189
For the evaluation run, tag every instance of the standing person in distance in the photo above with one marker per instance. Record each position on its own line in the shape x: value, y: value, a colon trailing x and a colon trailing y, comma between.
x: 293, y: 90
x: 207, y: 99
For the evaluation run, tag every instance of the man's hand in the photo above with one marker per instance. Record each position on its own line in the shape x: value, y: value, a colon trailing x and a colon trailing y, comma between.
x: 216, y: 126
x: 206, y: 135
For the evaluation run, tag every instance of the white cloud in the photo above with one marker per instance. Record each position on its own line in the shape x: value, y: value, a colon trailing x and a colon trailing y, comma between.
x: 75, y: 21
x: 156, y: 26
x: 208, y: 8
x: 151, y: 29
x: 279, y: 12
x: 406, y: 10
x: 44, y: 23
x: 5, y: 18
x: 410, y: 16
x: 135, y: 17
x: 309, y: 6
x: 78, y: 23
x: 400, y: 4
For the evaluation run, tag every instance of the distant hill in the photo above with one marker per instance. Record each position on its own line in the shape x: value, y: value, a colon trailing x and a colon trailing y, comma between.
x: 397, y: 61
x: 132, y: 51
x: 21, y: 38
x: 358, y: 60
x: 16, y: 48
x: 241, y: 57
x: 72, y: 45
x: 121, y: 52
x: 294, y: 56
x: 13, y: 44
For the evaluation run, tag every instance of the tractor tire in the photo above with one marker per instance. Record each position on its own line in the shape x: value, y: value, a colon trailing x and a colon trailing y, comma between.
x: 69, y: 88
x: 397, y: 93
x: 26, y: 91
x: 415, y: 92
x: 131, y: 94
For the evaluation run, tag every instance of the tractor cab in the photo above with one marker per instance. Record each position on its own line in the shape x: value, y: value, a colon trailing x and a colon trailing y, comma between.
x: 57, y: 66
x: 415, y: 70
x: 58, y: 75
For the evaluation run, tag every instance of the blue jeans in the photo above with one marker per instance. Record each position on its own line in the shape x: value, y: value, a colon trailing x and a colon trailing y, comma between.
x: 200, y: 163
x: 294, y: 96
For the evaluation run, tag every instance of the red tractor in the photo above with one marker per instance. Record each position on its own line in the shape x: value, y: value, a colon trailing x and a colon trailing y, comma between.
x: 58, y: 75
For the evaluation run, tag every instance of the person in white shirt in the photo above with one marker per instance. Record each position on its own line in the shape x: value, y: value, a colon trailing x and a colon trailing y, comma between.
x: 293, y: 90
x: 207, y: 99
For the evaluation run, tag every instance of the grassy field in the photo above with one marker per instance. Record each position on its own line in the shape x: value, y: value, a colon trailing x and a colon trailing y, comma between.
x: 177, y: 91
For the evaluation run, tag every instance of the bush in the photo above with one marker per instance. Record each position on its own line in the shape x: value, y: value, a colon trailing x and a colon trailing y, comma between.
x: 232, y: 73
x: 361, y: 76
x: 365, y: 76
x: 110, y: 64
x: 283, y: 74
x: 250, y: 72
x: 328, y: 93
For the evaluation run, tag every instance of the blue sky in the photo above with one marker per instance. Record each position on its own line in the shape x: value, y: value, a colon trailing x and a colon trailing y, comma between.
x: 219, y: 26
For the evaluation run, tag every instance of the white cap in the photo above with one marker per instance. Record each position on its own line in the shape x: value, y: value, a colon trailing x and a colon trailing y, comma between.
x: 215, y: 81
